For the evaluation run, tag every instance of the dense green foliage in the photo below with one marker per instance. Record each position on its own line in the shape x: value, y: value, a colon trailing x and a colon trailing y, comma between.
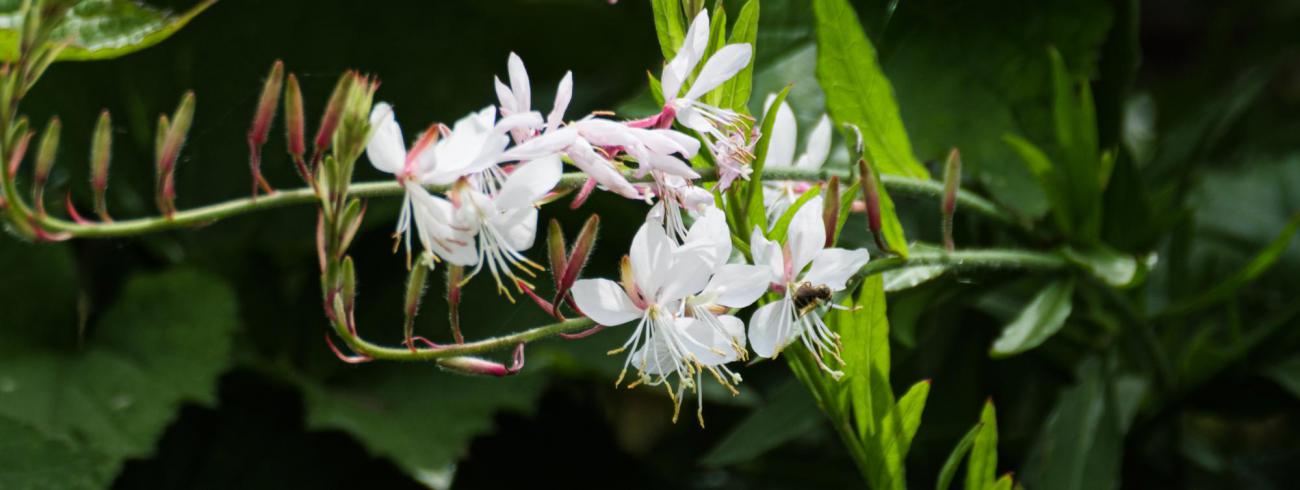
x: 1149, y: 151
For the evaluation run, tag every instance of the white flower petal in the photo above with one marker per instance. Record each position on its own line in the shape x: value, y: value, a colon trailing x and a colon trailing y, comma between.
x: 687, y: 276
x: 806, y: 235
x: 652, y: 257
x: 563, y: 94
x: 505, y: 97
x: 681, y: 66
x: 708, y: 238
x: 604, y: 301
x: 770, y: 328
x: 723, y: 65
x: 529, y: 182
x: 519, y: 83
x: 739, y: 285
x: 785, y: 130
x: 833, y: 266
x: 385, y: 149
x: 546, y: 145
x: 519, y: 227
x: 602, y: 170
x: 711, y: 340
x: 818, y: 146
x: 767, y: 254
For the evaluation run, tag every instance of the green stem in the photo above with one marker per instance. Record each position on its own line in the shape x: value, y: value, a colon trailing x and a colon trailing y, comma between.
x: 212, y: 213
x: 962, y: 259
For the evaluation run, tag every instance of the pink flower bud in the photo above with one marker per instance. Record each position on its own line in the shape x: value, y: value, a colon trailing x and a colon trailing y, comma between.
x: 483, y: 367
x: 871, y: 194
x: 578, y: 256
x: 261, y: 127
x: 101, y: 152
x: 45, y: 154
x: 329, y: 121
x: 555, y: 248
x: 20, y: 150
x: 415, y: 282
x: 951, y: 183
x: 831, y: 211
x: 455, y: 279
x: 169, y: 150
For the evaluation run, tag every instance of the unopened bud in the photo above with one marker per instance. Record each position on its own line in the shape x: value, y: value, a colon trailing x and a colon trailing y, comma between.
x: 19, y: 151
x: 348, y: 288
x: 455, y: 278
x: 546, y: 306
x: 831, y: 211
x: 951, y: 183
x: 415, y: 281
x: 262, y: 121
x: 329, y: 121
x: 871, y: 194
x: 582, y: 248
x: 45, y: 154
x: 177, y: 130
x: 295, y: 128
x: 351, y: 220
x: 483, y: 367
x: 555, y: 248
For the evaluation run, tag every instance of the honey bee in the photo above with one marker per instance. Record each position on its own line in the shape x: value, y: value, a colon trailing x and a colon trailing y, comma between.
x: 808, y: 296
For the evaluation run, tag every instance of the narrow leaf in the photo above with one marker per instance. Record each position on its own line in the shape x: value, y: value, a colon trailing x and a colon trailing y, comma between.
x: 954, y: 459
x: 982, y: 467
x: 1042, y: 318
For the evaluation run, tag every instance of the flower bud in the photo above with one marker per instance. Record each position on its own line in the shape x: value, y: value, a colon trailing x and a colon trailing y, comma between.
x: 578, y: 256
x: 546, y: 306
x: 871, y: 194
x: 19, y: 151
x: 295, y: 127
x: 348, y: 288
x: 177, y: 129
x: 555, y: 247
x: 330, y: 119
x: 831, y: 211
x: 455, y: 279
x: 415, y: 281
x: 951, y: 183
x: 45, y: 154
x: 261, y: 127
x: 483, y: 367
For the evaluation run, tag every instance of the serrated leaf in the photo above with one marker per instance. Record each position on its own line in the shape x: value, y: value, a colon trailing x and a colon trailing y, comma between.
x: 790, y: 413
x: 1039, y: 320
x: 857, y: 91
x: 101, y: 29
x: 164, y: 343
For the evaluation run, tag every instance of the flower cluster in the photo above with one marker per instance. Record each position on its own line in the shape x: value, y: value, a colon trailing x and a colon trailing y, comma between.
x: 681, y: 282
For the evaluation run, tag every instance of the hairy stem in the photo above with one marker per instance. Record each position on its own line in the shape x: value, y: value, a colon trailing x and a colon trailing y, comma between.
x: 212, y: 213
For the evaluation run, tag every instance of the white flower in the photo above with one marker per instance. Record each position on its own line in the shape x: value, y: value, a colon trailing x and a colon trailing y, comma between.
x: 671, y: 288
x: 779, y: 195
x: 723, y: 129
x: 504, y: 220
x: 798, y: 312
x: 432, y: 215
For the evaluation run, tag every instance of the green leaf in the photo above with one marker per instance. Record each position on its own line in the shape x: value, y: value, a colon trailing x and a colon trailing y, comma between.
x: 756, y: 210
x: 164, y: 343
x: 670, y: 25
x: 419, y: 417
x: 890, y: 224
x: 910, y: 277
x: 717, y: 39
x: 101, y: 29
x: 1076, y: 135
x: 789, y: 413
x: 1225, y: 288
x: 998, y: 82
x: 1049, y: 179
x: 1104, y: 263
x: 35, y: 461
x: 735, y: 93
x: 782, y: 225
x: 864, y: 334
x: 1081, y: 444
x: 982, y: 467
x: 1287, y: 374
x: 1003, y: 483
x: 847, y: 196
x: 958, y: 453
x: 40, y: 283
x: 857, y: 92
x: 908, y: 414
x: 1042, y: 318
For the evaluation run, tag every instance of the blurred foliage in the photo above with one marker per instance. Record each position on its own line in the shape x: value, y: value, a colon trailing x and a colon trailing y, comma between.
x: 195, y: 359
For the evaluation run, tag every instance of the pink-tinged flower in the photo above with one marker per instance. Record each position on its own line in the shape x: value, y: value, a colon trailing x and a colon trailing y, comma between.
x: 431, y: 215
x: 798, y: 313
x: 503, y: 219
x: 672, y: 289
x: 724, y: 130
x: 779, y: 195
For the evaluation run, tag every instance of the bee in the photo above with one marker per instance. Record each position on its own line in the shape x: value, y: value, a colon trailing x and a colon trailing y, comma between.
x: 808, y: 296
